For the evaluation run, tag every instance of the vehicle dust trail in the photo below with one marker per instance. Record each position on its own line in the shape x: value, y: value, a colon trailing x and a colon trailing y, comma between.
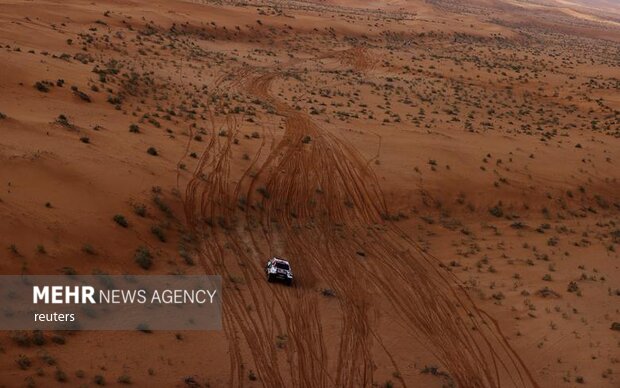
x: 322, y: 203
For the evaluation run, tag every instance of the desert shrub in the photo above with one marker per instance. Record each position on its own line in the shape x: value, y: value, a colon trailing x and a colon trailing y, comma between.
x: 42, y: 86
x: 13, y: 249
x: 21, y: 338
x: 263, y: 191
x: 59, y: 339
x: 115, y: 100
x: 121, y: 220
x: 307, y: 139
x: 124, y: 379
x: 572, y: 287
x: 496, y: 211
x: 88, y: 249
x: 69, y: 271
x: 328, y: 292
x: 431, y: 370
x: 134, y: 128
x: 159, y: 233
x: 152, y: 151
x: 47, y: 358
x: 60, y: 376
x: 23, y: 362
x: 143, y: 258
x: 281, y: 340
x: 546, y: 292
x: 63, y: 120
x: 99, y: 380
x: 82, y: 96
x: 163, y: 206
x: 38, y: 338
x: 186, y: 257
x: 139, y: 209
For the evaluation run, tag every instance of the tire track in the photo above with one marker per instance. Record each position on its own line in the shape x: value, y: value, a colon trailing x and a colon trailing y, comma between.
x: 320, y: 203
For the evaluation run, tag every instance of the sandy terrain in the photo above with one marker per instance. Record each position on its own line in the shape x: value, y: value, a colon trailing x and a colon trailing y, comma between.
x: 442, y: 175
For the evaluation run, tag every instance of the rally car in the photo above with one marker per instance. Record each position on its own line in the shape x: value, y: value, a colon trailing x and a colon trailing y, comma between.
x: 279, y: 269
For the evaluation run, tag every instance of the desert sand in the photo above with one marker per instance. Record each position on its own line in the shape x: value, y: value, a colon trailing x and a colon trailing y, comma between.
x: 442, y: 176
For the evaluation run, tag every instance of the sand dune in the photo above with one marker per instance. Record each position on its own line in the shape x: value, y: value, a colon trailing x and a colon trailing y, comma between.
x: 441, y: 175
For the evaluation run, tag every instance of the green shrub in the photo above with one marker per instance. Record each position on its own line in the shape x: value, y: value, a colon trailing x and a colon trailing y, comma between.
x: 496, y: 211
x: 21, y: 338
x: 158, y: 232
x: 99, y: 380
x: 60, y: 376
x: 38, y: 338
x: 144, y: 258
x: 23, y: 362
x: 139, y: 209
x: 88, y: 249
x: 124, y: 379
x: 121, y: 220
x: 162, y: 206
x: 263, y: 191
x: 42, y: 86
x: 115, y: 100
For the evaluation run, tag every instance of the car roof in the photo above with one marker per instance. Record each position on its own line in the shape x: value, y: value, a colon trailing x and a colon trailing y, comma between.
x: 276, y: 258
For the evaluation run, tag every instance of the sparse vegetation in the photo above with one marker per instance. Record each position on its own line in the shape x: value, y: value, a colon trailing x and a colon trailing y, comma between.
x: 43, y: 86
x: 121, y: 220
x: 470, y: 150
x: 143, y: 258
x: 23, y: 362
